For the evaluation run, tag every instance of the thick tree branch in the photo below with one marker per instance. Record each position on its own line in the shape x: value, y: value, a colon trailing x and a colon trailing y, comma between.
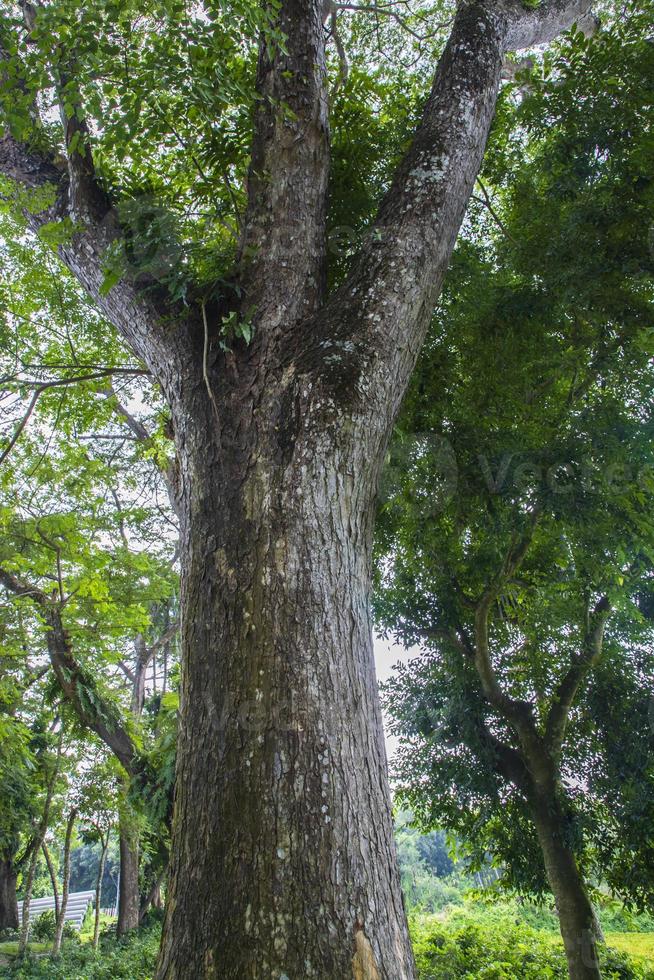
x: 103, y: 721
x: 508, y: 761
x: 543, y: 22
x: 284, y: 240
x: 366, y: 339
x: 86, y: 198
x: 567, y: 688
x: 137, y: 310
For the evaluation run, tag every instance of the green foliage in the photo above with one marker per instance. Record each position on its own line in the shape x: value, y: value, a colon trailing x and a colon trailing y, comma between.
x: 534, y: 396
x: 84, y: 869
x: 18, y: 784
x: 430, y: 880
x: 131, y: 958
x: 476, y: 950
x: 43, y: 927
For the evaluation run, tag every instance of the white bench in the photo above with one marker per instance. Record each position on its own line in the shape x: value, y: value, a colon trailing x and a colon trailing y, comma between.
x: 78, y: 903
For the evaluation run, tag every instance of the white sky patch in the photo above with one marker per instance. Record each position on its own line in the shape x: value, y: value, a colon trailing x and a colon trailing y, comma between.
x: 387, y: 654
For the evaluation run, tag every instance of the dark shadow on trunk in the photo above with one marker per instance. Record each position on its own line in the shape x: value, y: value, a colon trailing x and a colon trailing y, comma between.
x: 8, y: 900
x: 128, y: 892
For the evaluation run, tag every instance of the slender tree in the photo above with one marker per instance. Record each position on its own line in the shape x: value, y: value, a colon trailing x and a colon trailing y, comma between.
x: 99, y: 805
x: 53, y: 772
x: 282, y: 399
x: 53, y: 877
x: 65, y: 884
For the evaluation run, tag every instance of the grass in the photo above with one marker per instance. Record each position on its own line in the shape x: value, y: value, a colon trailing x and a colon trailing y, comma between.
x: 640, y: 945
x: 11, y: 948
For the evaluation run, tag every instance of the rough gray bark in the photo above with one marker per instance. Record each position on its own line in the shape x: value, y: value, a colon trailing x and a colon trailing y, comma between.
x: 128, y: 892
x: 283, y: 857
x: 292, y: 785
x: 8, y: 900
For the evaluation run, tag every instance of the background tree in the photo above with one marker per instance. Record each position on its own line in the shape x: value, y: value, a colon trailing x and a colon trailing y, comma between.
x: 17, y: 810
x: 50, y: 756
x: 60, y: 918
x: 516, y: 541
x: 99, y: 805
x: 95, y: 535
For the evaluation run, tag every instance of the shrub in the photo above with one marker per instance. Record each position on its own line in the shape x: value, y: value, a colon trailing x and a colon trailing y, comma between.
x: 466, y: 950
x: 130, y: 958
x: 42, y: 927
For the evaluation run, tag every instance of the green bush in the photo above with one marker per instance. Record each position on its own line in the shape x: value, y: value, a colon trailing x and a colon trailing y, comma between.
x: 42, y: 927
x: 131, y: 958
x: 466, y: 950
x: 459, y: 949
x: 616, y: 918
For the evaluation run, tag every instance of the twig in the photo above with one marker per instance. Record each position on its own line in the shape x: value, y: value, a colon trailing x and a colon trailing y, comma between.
x: 488, y: 204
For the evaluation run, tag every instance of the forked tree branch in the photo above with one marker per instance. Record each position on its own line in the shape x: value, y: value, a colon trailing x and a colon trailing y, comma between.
x: 517, y: 713
x: 370, y: 331
x: 568, y: 687
x: 103, y: 721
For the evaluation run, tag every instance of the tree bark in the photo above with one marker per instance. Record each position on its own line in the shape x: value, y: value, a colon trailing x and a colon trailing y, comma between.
x: 8, y: 900
x: 281, y: 775
x: 128, y: 896
x: 576, y: 915
x: 65, y: 887
x: 53, y: 877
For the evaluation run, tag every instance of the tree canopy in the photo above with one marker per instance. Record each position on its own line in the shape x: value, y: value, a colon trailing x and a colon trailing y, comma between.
x: 515, y: 538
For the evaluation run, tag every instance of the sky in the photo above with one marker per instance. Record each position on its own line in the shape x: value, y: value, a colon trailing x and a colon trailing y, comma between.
x: 387, y: 654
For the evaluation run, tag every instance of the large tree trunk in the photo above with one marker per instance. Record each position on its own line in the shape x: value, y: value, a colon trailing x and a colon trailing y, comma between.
x: 8, y: 900
x: 281, y: 778
x: 128, y: 892
x: 576, y: 916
